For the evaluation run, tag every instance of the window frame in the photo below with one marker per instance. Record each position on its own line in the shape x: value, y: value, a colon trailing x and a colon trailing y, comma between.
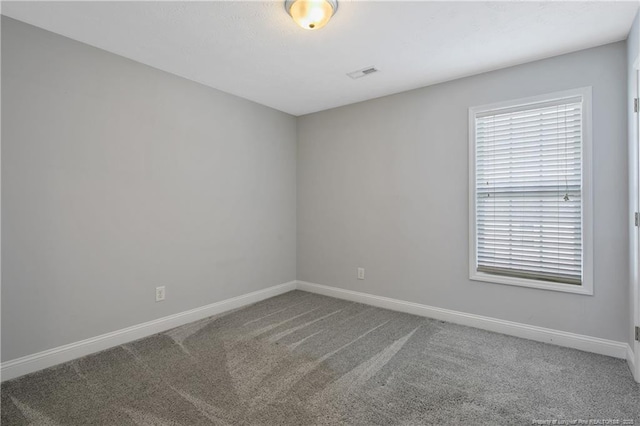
x: 586, y: 288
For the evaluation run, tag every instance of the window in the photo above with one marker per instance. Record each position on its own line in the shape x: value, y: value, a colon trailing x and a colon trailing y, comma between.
x: 530, y: 199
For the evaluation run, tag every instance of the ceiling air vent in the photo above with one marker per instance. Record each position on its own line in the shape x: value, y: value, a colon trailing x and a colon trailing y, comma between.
x: 361, y: 73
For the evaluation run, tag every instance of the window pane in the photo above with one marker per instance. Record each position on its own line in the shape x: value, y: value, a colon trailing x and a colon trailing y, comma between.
x: 529, y: 192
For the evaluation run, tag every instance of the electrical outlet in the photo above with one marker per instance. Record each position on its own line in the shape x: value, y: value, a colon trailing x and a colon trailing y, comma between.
x: 160, y: 294
x: 361, y: 273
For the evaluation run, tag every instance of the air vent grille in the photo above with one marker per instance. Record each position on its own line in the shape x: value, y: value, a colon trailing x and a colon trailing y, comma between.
x: 363, y: 72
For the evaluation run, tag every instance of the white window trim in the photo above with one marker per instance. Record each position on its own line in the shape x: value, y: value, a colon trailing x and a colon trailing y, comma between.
x: 586, y: 287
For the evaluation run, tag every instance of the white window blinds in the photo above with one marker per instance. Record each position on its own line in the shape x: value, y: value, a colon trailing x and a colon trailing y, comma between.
x: 529, y: 191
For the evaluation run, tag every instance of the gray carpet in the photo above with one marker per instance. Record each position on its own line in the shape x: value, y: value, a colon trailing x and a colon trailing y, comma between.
x: 304, y: 359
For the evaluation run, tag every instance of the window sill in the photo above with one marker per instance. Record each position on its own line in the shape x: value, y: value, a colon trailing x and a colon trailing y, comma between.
x: 523, y: 282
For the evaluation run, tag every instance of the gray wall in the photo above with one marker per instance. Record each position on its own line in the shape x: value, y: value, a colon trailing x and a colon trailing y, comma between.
x: 117, y: 178
x: 633, y: 52
x: 383, y: 184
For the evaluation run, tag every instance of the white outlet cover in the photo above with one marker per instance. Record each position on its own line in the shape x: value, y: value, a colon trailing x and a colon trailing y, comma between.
x: 160, y: 293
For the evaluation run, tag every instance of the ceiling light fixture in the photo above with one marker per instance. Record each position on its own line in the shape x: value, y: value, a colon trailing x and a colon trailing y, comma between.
x: 311, y: 14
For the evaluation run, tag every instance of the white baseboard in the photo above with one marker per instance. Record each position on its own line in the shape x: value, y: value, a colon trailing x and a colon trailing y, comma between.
x: 31, y: 363
x: 41, y: 360
x: 540, y: 334
x: 631, y: 360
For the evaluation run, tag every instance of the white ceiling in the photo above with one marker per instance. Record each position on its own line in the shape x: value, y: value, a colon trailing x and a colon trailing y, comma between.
x: 254, y: 50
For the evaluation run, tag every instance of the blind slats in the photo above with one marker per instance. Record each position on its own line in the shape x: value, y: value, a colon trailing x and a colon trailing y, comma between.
x: 528, y: 192
x: 546, y: 129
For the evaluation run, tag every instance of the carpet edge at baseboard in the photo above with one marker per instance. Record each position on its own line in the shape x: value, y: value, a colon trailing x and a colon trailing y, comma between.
x: 556, y: 337
x: 48, y: 358
x: 51, y: 357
